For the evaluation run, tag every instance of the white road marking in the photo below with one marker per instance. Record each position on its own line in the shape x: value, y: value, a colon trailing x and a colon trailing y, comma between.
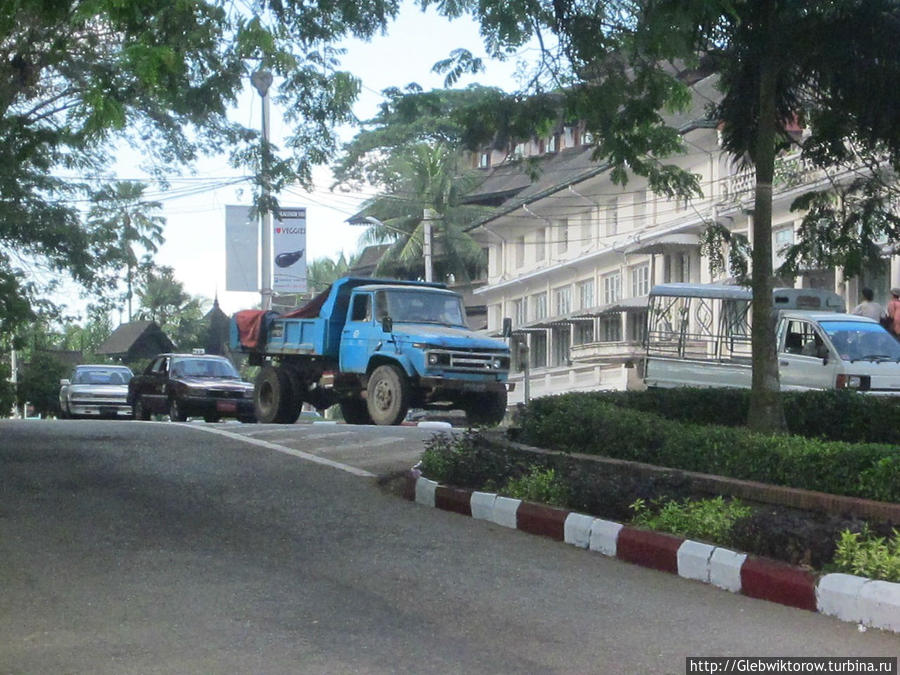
x: 286, y: 450
x: 390, y: 440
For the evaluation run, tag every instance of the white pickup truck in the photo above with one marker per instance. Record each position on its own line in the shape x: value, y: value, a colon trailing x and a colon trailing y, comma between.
x: 698, y: 335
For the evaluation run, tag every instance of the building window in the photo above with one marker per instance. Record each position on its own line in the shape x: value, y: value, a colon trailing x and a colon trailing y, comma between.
x: 540, y: 244
x: 553, y: 143
x: 562, y: 299
x: 587, y: 228
x: 639, y: 208
x: 781, y: 239
x: 637, y: 326
x: 640, y: 280
x: 562, y: 238
x: 584, y: 332
x: 520, y: 316
x: 612, y: 288
x: 586, y: 294
x: 539, y: 349
x: 677, y: 267
x: 520, y: 251
x: 484, y: 159
x: 612, y: 217
x: 539, y: 303
x: 561, y: 337
x: 611, y: 328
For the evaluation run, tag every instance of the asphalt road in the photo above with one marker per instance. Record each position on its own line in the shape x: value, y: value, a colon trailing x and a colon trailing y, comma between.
x: 130, y: 547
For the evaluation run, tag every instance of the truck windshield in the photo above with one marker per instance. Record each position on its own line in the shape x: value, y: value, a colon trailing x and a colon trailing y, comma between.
x: 862, y: 341
x: 416, y: 306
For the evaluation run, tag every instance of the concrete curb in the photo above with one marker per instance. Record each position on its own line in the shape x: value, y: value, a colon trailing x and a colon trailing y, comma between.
x: 871, y: 603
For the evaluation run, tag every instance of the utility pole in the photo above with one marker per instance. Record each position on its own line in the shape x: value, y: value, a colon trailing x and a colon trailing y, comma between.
x: 262, y: 80
x: 428, y: 216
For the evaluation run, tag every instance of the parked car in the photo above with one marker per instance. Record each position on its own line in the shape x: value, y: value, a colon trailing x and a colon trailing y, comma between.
x: 191, y: 385
x: 95, y: 391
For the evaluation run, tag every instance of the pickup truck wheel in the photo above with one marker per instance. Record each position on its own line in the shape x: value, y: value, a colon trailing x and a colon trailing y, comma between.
x: 355, y: 412
x: 176, y: 412
x: 139, y: 412
x: 273, y: 399
x: 387, y: 395
x: 486, y: 409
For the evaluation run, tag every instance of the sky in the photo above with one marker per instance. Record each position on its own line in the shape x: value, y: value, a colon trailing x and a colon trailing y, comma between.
x: 195, y: 212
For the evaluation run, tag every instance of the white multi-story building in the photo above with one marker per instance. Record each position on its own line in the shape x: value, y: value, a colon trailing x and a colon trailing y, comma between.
x: 572, y: 256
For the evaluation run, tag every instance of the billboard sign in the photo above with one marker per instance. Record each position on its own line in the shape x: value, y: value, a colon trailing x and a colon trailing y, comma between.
x: 289, y: 251
x: 241, y: 249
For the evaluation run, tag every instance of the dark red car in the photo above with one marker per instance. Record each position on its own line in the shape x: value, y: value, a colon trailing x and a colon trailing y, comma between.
x: 191, y: 385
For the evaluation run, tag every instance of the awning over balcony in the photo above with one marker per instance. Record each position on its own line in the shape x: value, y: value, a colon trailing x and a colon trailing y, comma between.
x: 587, y: 315
x: 666, y: 243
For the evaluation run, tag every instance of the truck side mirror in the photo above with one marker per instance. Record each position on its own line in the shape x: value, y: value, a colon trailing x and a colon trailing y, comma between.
x: 387, y: 324
x: 507, y: 327
x: 63, y: 382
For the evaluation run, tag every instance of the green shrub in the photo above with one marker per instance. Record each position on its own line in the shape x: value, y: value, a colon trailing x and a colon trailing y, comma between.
x: 833, y: 415
x: 869, y: 556
x: 591, y: 424
x: 709, y: 519
x: 540, y: 485
x: 465, y: 460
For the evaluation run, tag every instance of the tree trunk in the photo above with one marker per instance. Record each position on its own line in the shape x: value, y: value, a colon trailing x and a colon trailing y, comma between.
x: 766, y: 411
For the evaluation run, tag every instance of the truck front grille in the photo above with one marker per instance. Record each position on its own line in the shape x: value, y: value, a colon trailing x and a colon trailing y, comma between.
x: 468, y: 362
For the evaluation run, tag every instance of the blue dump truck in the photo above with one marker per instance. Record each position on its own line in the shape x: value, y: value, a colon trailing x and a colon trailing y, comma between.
x: 377, y: 348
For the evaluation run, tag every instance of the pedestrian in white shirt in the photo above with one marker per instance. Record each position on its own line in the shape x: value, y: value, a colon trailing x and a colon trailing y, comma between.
x: 868, y: 307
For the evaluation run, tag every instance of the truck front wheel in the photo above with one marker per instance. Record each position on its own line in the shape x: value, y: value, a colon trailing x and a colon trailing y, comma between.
x: 486, y: 409
x: 387, y: 396
x: 273, y: 397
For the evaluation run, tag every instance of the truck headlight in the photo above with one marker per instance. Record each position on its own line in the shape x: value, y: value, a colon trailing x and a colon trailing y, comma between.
x: 432, y: 359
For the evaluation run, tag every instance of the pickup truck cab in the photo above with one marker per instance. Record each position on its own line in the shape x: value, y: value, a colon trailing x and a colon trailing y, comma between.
x: 699, y: 335
x: 377, y: 348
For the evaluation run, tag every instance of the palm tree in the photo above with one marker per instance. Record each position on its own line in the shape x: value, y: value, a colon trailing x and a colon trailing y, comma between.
x: 132, y: 222
x: 321, y: 272
x: 427, y: 178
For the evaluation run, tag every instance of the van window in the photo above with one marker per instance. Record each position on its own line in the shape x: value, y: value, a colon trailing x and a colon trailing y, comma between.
x: 801, y: 337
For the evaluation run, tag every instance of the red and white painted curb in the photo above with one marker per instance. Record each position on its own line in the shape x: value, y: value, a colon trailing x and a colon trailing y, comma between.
x: 868, y: 602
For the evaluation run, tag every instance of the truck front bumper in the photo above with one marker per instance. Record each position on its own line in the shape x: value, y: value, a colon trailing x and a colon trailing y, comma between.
x: 441, y: 385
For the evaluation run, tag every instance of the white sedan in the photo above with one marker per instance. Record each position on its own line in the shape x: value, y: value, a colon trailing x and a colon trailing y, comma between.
x: 96, y: 391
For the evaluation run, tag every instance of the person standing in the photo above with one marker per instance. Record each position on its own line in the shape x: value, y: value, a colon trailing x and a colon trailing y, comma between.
x: 868, y: 307
x: 893, y: 312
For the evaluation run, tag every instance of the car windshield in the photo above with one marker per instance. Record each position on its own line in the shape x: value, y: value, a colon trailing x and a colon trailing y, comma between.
x: 203, y: 368
x: 416, y: 306
x: 862, y: 341
x: 101, y: 376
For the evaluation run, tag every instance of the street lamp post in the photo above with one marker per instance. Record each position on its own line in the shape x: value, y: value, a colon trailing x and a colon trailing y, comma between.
x: 261, y: 81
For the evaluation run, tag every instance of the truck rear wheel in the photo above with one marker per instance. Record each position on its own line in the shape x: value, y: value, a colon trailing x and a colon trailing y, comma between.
x: 486, y: 410
x: 355, y: 412
x: 273, y: 397
x: 387, y: 396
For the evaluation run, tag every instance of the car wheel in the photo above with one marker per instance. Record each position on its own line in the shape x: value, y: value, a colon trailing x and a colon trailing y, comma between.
x: 139, y: 411
x: 387, y: 396
x: 176, y: 413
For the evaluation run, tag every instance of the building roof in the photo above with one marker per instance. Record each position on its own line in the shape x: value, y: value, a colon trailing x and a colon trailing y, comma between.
x: 127, y: 335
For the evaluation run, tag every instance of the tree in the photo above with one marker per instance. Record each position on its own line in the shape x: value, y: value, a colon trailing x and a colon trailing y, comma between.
x: 76, y: 79
x: 321, y: 272
x: 428, y: 178
x: 133, y: 223
x: 39, y: 382
x: 163, y: 300
x: 617, y: 65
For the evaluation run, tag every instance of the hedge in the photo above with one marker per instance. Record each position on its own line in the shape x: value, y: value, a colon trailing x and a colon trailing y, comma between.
x: 833, y: 415
x: 591, y: 424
